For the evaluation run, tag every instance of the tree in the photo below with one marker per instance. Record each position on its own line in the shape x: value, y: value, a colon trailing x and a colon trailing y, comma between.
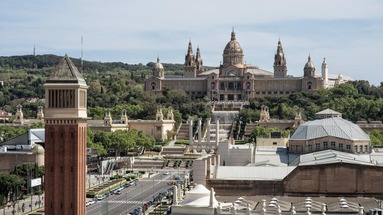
x: 10, y: 184
x: 145, y: 141
x: 121, y: 140
x: 259, y: 131
x: 376, y: 137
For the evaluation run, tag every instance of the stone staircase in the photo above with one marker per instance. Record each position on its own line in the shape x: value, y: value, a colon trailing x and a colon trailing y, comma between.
x: 148, y: 164
x: 172, y: 150
x: 183, y: 132
x: 248, y: 129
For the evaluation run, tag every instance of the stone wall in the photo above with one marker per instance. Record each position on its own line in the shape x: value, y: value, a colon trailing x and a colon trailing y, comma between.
x: 339, y: 179
x: 336, y: 179
x: 245, y: 187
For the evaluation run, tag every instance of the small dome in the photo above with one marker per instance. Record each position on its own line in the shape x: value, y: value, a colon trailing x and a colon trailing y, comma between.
x: 158, y: 64
x: 38, y: 149
x: 232, y: 46
x: 309, y: 64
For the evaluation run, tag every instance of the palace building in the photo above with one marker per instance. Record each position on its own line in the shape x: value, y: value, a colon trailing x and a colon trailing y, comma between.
x: 234, y: 80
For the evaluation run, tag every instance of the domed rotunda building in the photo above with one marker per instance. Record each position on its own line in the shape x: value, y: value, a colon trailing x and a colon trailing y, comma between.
x: 329, y: 131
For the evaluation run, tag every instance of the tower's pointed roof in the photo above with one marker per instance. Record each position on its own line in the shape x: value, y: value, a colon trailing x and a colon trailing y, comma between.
x: 66, y: 72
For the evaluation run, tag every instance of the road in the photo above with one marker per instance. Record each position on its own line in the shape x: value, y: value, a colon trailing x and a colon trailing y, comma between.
x: 134, y: 196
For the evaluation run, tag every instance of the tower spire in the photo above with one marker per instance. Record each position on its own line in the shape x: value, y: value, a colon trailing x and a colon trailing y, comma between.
x: 190, y: 64
x: 233, y: 35
x: 280, y: 68
x: 199, y: 61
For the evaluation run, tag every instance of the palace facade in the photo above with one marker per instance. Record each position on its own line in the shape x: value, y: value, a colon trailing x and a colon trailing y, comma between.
x: 234, y: 80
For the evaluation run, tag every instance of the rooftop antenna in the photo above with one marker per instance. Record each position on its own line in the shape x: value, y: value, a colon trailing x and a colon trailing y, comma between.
x: 82, y: 63
x: 34, y: 50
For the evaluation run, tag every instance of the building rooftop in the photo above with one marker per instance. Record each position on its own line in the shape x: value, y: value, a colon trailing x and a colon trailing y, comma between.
x: 66, y: 72
x: 334, y: 126
x: 253, y: 173
x: 332, y: 156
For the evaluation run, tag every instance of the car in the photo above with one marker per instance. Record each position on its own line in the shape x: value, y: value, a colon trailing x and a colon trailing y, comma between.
x: 91, y: 202
x: 99, y: 198
x: 166, y: 173
x: 118, y: 192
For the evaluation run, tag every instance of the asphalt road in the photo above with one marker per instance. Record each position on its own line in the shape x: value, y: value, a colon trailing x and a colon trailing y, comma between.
x: 134, y: 196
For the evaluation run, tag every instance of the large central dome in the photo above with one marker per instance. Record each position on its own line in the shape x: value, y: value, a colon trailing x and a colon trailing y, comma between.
x: 233, y: 53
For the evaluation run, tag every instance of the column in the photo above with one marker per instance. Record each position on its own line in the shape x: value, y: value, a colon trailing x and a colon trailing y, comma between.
x: 208, y: 131
x: 191, y: 131
x: 199, y: 131
x: 217, y: 132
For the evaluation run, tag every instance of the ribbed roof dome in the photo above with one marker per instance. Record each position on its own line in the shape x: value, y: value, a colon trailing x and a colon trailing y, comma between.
x: 334, y: 126
x: 232, y: 46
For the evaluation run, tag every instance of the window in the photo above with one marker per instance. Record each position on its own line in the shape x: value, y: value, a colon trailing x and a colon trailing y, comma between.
x: 325, y: 145
x: 317, y: 146
x: 309, y: 85
x: 274, y: 143
x: 360, y: 148
x: 221, y: 97
x: 230, y: 86
x: 310, y: 148
x: 340, y: 146
x: 348, y: 147
x: 222, y: 86
x: 365, y: 148
x: 333, y: 145
x: 355, y: 148
x: 239, y: 85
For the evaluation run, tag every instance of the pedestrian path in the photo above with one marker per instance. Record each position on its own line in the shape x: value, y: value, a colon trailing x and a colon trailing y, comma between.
x: 24, y: 206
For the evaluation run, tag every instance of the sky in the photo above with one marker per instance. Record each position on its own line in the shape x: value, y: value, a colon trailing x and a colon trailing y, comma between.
x: 348, y: 33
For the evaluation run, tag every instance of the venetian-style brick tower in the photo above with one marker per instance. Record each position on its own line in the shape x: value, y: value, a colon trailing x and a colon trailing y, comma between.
x: 65, y: 140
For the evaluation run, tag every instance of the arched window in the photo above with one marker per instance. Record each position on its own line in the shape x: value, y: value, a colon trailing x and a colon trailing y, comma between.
x: 222, y: 86
x: 248, y: 85
x: 153, y: 86
x: 230, y: 86
x: 212, y: 85
x: 309, y: 85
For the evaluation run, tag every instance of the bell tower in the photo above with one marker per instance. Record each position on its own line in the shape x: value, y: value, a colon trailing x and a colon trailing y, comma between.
x: 280, y: 68
x: 190, y: 67
x: 65, y: 140
x: 199, y: 62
